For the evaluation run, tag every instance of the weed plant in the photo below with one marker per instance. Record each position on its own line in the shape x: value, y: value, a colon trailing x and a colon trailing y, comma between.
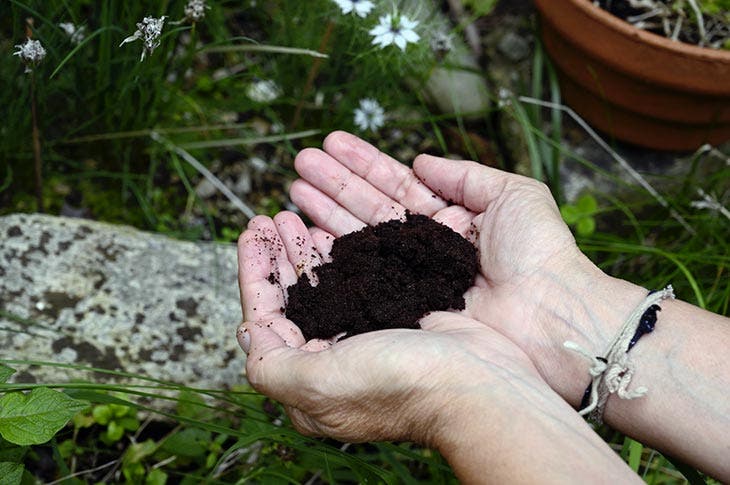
x: 266, y: 79
x: 243, y: 74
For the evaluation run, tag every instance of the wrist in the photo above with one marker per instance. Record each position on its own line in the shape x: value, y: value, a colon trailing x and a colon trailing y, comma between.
x: 587, y: 307
x: 495, y: 426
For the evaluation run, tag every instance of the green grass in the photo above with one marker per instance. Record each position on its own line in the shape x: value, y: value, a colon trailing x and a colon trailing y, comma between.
x: 205, y: 429
x: 98, y: 104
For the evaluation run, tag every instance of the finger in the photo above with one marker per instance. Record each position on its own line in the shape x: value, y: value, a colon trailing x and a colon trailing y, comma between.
x: 276, y: 369
x: 285, y: 329
x: 300, y: 248
x: 316, y: 345
x: 345, y: 187
x: 383, y: 172
x: 279, y: 258
x: 323, y: 240
x: 459, y: 220
x: 264, y: 270
x: 466, y: 183
x: 323, y: 210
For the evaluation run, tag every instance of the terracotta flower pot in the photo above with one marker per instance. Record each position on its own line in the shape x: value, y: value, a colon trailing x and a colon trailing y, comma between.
x: 637, y: 86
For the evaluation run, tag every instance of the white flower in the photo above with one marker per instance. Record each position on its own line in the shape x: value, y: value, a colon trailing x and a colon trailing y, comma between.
x: 75, y: 34
x: 359, y: 7
x: 396, y: 30
x: 195, y: 10
x: 263, y: 91
x: 148, y: 31
x: 369, y: 115
x: 31, y: 53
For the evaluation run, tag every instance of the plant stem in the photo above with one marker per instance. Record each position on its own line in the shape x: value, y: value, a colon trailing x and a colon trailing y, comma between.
x: 36, y: 147
x: 313, y: 71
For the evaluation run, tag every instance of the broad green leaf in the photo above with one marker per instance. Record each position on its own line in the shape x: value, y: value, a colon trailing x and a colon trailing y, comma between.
x: 5, y: 373
x: 35, y: 417
x: 190, y: 442
x: 12, y: 452
x: 11, y: 473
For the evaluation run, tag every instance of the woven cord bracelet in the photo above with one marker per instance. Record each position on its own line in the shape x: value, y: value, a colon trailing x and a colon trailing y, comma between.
x: 612, y: 373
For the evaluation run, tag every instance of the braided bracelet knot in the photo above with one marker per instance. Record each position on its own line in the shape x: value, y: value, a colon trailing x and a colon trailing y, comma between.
x: 612, y: 374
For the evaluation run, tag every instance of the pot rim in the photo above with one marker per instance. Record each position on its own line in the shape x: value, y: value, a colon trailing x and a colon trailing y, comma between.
x: 626, y: 29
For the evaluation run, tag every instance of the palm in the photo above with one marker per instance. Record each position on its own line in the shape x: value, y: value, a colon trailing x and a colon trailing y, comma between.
x: 513, y: 221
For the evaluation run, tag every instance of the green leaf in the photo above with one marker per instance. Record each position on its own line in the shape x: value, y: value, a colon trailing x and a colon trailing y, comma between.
x: 635, y: 450
x: 211, y: 460
x: 66, y: 448
x: 5, y: 373
x: 587, y: 204
x: 102, y: 414
x: 133, y: 472
x: 192, y: 405
x: 156, y: 477
x: 35, y: 417
x: 130, y: 423
x: 114, y: 432
x: 190, y: 442
x: 11, y: 452
x: 586, y: 226
x: 84, y: 420
x: 120, y: 410
x: 139, y: 451
x: 11, y: 473
x: 570, y: 214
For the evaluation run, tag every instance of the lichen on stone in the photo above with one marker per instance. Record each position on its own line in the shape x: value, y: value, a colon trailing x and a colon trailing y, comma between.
x: 83, y: 292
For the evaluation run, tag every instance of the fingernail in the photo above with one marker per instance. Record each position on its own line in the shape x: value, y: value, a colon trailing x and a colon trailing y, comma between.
x: 244, y: 338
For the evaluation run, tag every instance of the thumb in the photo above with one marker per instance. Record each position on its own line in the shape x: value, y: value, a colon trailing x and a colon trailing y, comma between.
x: 285, y: 329
x: 273, y: 366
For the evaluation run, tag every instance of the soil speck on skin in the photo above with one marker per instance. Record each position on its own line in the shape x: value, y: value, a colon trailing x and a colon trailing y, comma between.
x: 384, y: 276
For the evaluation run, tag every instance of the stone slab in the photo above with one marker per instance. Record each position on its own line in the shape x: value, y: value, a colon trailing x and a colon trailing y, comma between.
x: 83, y: 292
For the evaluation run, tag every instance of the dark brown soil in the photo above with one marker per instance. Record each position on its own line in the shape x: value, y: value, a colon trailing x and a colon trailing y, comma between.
x: 384, y: 276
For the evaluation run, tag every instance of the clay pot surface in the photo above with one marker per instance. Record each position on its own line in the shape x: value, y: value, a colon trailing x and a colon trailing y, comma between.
x: 635, y: 85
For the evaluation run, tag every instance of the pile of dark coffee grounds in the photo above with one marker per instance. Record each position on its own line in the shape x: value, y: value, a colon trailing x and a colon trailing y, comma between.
x: 384, y: 276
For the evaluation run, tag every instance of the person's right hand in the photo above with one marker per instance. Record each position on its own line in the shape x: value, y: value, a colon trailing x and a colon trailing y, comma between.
x: 536, y: 287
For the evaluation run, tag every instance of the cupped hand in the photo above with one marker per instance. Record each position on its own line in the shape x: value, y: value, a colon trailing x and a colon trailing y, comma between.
x: 532, y: 276
x: 456, y: 385
x: 396, y: 384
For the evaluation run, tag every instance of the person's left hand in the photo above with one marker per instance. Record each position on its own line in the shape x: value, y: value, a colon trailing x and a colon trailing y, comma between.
x: 396, y: 384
